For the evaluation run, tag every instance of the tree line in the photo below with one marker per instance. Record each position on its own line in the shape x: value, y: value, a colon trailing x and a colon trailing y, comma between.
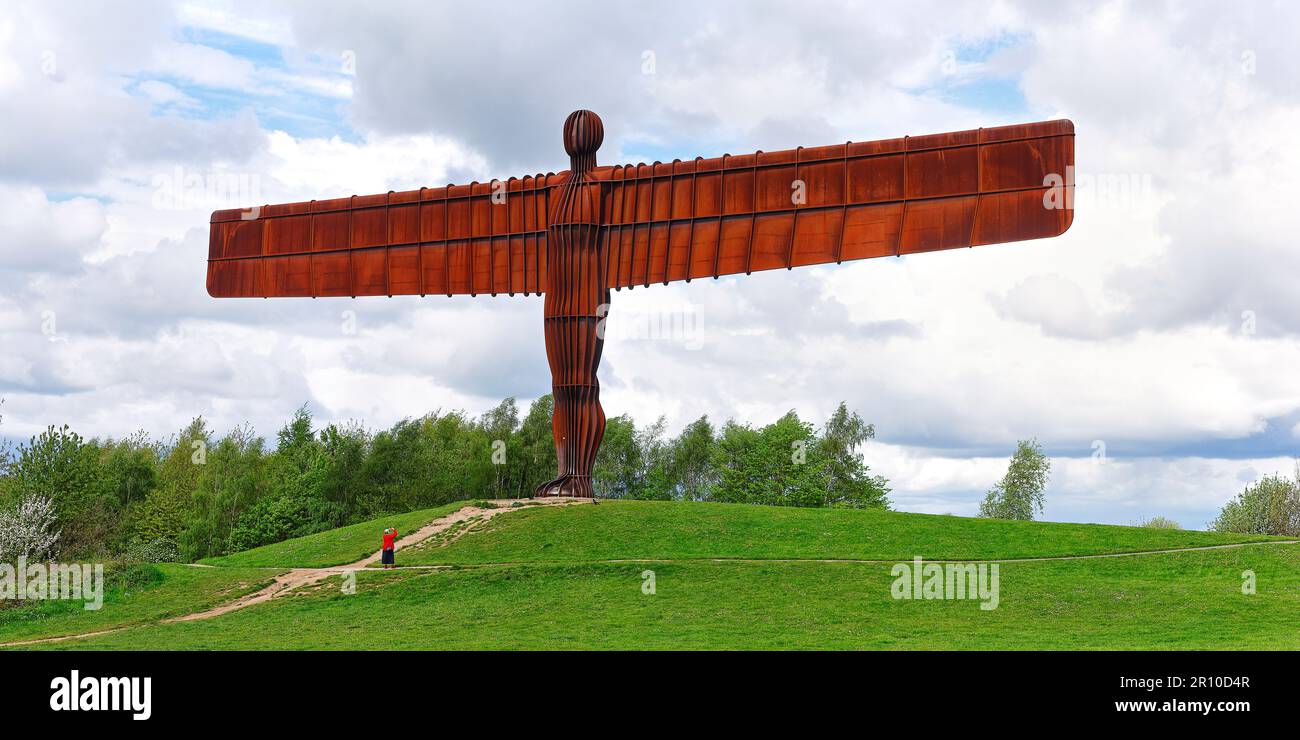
x: 198, y: 494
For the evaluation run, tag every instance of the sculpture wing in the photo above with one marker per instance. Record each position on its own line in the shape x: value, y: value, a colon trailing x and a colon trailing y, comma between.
x: 457, y: 239
x: 740, y: 214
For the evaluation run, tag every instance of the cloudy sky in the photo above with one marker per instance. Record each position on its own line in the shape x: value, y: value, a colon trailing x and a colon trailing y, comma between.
x: 1152, y: 349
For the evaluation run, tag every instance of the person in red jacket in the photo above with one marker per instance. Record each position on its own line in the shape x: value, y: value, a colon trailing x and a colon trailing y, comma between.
x: 390, y: 544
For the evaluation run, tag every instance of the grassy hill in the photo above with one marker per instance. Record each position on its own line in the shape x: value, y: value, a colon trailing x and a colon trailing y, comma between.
x: 651, y: 530
x: 551, y: 578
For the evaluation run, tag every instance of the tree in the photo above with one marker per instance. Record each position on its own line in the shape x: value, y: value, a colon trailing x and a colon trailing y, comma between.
x: 618, y: 469
x: 344, y: 450
x: 849, y: 483
x: 501, y: 425
x: 232, y: 480
x: 776, y: 465
x: 1020, y: 492
x: 297, y: 434
x: 692, y: 460
x: 128, y: 469
x: 536, y: 446
x: 271, y: 519
x: 59, y: 465
x: 166, y: 510
x: 655, y: 478
x: 28, y: 530
x: 1270, y: 506
x: 295, y: 478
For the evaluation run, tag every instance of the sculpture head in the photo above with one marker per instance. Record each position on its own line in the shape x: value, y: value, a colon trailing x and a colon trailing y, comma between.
x: 583, y: 135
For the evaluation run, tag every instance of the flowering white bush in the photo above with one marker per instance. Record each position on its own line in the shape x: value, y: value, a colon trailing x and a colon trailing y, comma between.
x: 28, y: 530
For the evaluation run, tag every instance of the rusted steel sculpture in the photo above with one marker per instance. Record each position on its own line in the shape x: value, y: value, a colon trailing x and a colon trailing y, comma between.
x: 575, y: 235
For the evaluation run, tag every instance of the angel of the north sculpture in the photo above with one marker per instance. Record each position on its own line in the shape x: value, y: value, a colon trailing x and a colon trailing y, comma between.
x: 572, y: 236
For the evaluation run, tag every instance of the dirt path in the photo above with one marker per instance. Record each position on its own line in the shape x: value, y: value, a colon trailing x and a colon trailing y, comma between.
x: 41, y: 640
x: 299, y: 577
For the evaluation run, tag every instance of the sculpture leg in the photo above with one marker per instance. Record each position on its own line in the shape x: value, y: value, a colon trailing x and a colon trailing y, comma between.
x: 578, y: 423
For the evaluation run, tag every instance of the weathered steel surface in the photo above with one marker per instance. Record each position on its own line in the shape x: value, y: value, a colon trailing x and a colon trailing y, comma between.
x: 450, y: 240
x: 576, y: 234
x: 740, y: 214
x: 661, y: 222
x: 577, y: 299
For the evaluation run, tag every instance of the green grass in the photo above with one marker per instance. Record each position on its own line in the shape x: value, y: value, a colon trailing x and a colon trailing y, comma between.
x: 545, y: 578
x: 176, y: 590
x: 335, y: 547
x: 1166, y: 601
x: 613, y: 530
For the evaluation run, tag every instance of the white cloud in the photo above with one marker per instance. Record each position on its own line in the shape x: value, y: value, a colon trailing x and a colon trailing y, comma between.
x: 1129, y: 329
x: 161, y: 93
x: 322, y: 168
x: 45, y: 236
x: 244, y: 19
x: 206, y: 66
